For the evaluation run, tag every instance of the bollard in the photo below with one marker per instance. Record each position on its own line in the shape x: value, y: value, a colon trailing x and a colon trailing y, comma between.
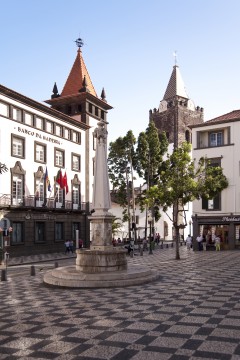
x: 32, y: 271
x: 131, y: 253
x: 172, y: 244
x: 3, y: 275
x: 141, y: 251
x: 56, y: 264
x: 166, y: 245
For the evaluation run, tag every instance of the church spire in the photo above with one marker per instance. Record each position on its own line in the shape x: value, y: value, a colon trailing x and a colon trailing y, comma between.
x: 175, y: 86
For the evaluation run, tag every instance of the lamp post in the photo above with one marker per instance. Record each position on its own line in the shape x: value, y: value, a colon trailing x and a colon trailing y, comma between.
x: 190, y: 227
x: 150, y: 219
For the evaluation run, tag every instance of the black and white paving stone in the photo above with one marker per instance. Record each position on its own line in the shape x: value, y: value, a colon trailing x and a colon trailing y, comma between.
x: 191, y: 312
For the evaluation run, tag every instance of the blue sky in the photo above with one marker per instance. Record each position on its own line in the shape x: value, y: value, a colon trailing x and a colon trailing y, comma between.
x: 129, y: 46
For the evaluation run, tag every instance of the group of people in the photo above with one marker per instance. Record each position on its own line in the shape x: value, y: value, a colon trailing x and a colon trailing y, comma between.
x: 69, y: 246
x: 202, y: 242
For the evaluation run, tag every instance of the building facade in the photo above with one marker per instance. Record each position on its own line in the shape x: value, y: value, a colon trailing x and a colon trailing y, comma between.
x: 46, y: 194
x: 218, y: 139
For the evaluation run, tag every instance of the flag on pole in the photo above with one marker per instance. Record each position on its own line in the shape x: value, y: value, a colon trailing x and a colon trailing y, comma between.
x: 59, y: 179
x: 65, y: 184
x: 47, y: 181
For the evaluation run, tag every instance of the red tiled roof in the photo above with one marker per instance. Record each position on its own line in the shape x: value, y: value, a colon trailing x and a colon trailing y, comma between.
x: 233, y: 115
x: 75, y: 79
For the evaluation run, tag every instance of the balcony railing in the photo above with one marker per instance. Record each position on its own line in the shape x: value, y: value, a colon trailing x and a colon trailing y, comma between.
x: 7, y: 200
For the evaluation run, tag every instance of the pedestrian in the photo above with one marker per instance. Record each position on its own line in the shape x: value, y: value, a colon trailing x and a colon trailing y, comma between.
x: 71, y: 246
x: 145, y: 244
x: 67, y: 247
x: 217, y: 243
x: 199, y: 241
x: 189, y: 242
x: 80, y: 243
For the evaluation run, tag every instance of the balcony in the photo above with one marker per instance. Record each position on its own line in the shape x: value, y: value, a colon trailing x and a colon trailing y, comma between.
x: 31, y: 201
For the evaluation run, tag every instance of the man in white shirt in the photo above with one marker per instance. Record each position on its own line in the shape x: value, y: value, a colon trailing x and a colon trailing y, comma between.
x: 199, y: 241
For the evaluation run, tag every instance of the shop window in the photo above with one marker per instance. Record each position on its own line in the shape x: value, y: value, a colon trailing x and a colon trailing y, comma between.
x: 40, y: 232
x: 17, y: 233
x: 59, y: 231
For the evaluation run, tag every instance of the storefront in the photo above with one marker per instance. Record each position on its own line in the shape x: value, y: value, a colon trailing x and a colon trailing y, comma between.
x: 227, y: 228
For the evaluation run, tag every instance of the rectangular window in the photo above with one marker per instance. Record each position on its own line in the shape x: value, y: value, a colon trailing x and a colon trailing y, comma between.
x: 39, y: 123
x: 58, y: 130
x: 59, y: 231
x: 67, y: 134
x: 96, y: 111
x: 17, y: 189
x: 216, y: 139
x: 40, y: 232
x: 59, y: 158
x: 28, y: 119
x: 76, y: 165
x: 90, y: 108
x: 17, y: 114
x: 49, y: 127
x: 102, y: 114
x: 4, y: 109
x: 39, y: 193
x: 18, y: 147
x: 75, y: 137
x: 59, y: 197
x: 40, y: 153
x: 75, y: 196
x: 17, y: 233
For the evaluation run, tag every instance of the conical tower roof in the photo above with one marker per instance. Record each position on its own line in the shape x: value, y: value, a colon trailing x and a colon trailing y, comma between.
x: 77, y: 76
x: 175, y: 86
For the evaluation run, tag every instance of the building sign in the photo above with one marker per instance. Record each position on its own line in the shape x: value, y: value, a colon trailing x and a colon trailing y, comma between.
x: 232, y: 218
x: 38, y: 135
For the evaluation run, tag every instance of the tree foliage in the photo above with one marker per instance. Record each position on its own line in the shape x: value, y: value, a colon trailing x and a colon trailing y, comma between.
x: 182, y: 180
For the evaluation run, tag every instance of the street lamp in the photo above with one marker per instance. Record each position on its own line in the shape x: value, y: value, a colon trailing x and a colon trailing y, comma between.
x: 190, y: 227
x: 150, y: 219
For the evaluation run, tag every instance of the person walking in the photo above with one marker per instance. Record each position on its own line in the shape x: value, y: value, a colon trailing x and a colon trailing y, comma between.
x: 199, y: 241
x: 189, y: 242
x: 217, y: 243
x: 67, y: 247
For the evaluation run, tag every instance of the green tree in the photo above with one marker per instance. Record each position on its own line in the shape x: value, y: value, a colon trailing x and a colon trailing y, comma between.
x: 150, y: 150
x: 121, y: 164
x: 180, y: 181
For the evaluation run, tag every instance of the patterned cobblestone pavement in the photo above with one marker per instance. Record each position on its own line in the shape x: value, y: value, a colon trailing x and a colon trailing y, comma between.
x: 191, y: 312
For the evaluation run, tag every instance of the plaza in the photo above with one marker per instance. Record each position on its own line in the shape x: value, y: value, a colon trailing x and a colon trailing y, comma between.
x: 191, y: 312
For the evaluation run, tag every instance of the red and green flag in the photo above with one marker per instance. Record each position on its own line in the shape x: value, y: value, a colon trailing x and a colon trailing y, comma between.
x: 59, y: 179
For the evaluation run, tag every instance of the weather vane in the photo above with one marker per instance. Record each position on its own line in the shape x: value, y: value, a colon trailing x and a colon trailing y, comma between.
x: 79, y: 43
x: 175, y: 57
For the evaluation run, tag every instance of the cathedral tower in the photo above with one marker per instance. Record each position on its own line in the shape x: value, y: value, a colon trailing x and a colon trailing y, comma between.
x: 176, y: 111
